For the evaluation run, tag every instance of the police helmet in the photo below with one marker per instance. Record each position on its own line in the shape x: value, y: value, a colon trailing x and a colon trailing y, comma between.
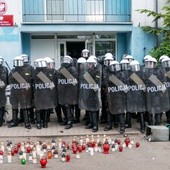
x: 25, y: 58
x: 150, y: 62
x: 114, y: 66
x: 50, y: 62
x: 1, y: 60
x: 18, y: 61
x: 162, y: 57
x: 81, y: 60
x: 40, y: 63
x: 108, y: 59
x: 134, y: 65
x: 91, y: 61
x: 85, y: 53
x: 124, y: 64
x: 166, y: 62
x: 129, y: 58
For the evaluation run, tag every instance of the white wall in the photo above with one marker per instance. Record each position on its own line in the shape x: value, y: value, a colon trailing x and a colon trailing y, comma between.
x: 142, y: 19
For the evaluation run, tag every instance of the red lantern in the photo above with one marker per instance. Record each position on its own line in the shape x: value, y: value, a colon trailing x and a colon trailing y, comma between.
x: 120, y: 148
x: 106, y: 148
x: 16, y: 150
x: 67, y: 158
x: 28, y: 149
x: 127, y: 141
x: 83, y: 147
x: 43, y: 162
x: 137, y: 144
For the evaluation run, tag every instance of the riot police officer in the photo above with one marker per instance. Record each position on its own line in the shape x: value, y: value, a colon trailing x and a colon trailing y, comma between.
x: 116, y: 92
x: 136, y: 98
x: 67, y: 88
x: 156, y: 92
x: 89, y: 91
x: 3, y: 84
x: 20, y: 80
x: 45, y: 92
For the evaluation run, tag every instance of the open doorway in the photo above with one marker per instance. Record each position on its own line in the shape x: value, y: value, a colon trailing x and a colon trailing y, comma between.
x: 74, y: 49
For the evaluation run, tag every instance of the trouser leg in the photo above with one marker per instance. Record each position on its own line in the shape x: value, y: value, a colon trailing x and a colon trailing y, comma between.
x: 69, y: 117
x: 116, y: 120
x: 142, y: 122
x: 38, y: 119
x: 14, y: 122
x: 150, y: 119
x: 95, y: 121
x: 26, y: 119
x: 21, y: 117
x: 90, y: 125
x: 128, y: 120
x: 109, y: 122
x: 157, y: 119
x: 32, y: 115
x: 45, y: 118
x: 77, y: 114
x: 1, y: 115
x: 58, y: 113
x: 168, y: 116
x: 122, y: 123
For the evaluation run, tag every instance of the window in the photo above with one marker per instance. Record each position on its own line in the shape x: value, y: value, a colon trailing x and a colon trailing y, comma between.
x: 55, y: 10
x: 95, y: 10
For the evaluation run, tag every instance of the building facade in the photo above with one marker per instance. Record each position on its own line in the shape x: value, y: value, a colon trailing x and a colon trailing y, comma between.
x: 54, y: 28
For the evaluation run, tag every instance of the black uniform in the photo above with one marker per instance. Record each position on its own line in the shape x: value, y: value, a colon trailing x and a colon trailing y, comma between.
x: 3, y: 84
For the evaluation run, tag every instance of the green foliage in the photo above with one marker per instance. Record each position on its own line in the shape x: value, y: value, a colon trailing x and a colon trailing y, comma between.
x: 164, y: 32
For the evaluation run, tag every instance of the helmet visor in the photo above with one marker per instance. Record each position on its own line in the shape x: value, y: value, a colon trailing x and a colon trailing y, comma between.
x: 18, y: 63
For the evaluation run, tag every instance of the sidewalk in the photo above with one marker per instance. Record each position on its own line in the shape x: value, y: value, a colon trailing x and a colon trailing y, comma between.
x: 55, y: 130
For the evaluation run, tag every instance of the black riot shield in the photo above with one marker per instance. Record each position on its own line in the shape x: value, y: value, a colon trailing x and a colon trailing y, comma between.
x: 167, y: 83
x: 156, y: 92
x: 20, y: 80
x: 116, y: 91
x: 89, y: 88
x: 3, y: 84
x: 67, y: 86
x: 136, y: 97
x: 45, y: 91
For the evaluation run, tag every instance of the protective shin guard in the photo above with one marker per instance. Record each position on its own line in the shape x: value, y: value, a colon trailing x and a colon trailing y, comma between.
x: 1, y: 116
x: 69, y: 117
x: 128, y: 120
x: 26, y: 119
x: 122, y: 123
x: 14, y: 122
x: 95, y: 121
x: 109, y: 122
x: 38, y: 119
x: 142, y: 122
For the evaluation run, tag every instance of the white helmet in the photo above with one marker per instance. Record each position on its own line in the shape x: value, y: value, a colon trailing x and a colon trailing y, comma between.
x: 146, y: 57
x: 150, y: 62
x: 91, y: 61
x: 1, y: 60
x: 50, y: 62
x: 81, y: 60
x: 166, y: 62
x: 129, y: 58
x: 18, y: 61
x: 162, y: 57
x: 25, y: 58
x: 114, y: 66
x: 124, y: 64
x: 109, y: 58
x: 67, y: 59
x: 40, y: 63
x: 85, y: 53
x: 135, y: 65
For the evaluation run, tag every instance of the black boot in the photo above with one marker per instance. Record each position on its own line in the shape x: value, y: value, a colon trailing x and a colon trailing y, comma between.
x: 58, y: 113
x: 69, y: 117
x: 45, y: 118
x: 142, y: 122
x: 64, y: 122
x: 116, y: 121
x: 90, y: 125
x: 128, y: 120
x: 31, y: 114
x: 158, y: 119
x: 86, y: 118
x: 26, y: 119
x: 168, y: 116
x: 109, y: 122
x: 77, y: 114
x: 38, y: 119
x: 14, y: 122
x: 1, y: 116
x: 95, y: 121
x: 122, y: 123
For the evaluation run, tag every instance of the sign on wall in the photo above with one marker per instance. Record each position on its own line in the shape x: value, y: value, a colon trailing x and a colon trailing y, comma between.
x: 3, y: 7
x: 6, y: 20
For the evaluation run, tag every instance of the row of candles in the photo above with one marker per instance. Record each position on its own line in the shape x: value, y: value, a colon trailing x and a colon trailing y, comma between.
x: 42, y: 151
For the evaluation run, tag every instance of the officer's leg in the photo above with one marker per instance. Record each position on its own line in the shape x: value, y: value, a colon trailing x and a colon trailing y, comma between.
x: 86, y: 118
x: 128, y: 120
x: 77, y: 114
x: 157, y: 119
x: 150, y: 119
x: 95, y: 121
x: 45, y: 118
x: 38, y: 118
x: 26, y: 119
x: 64, y: 122
x: 69, y: 117
x: 122, y: 123
x: 103, y: 117
x: 90, y: 125
x: 59, y: 114
x: 116, y: 120
x: 14, y: 122
x: 21, y: 118
x: 142, y: 122
x: 1, y: 115
x: 168, y: 116
x: 31, y: 113
x: 109, y: 122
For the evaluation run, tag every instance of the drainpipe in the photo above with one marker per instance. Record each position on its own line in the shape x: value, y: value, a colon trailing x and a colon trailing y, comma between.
x: 156, y: 23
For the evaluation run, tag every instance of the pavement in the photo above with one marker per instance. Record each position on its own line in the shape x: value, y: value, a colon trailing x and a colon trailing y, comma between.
x: 56, y: 130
